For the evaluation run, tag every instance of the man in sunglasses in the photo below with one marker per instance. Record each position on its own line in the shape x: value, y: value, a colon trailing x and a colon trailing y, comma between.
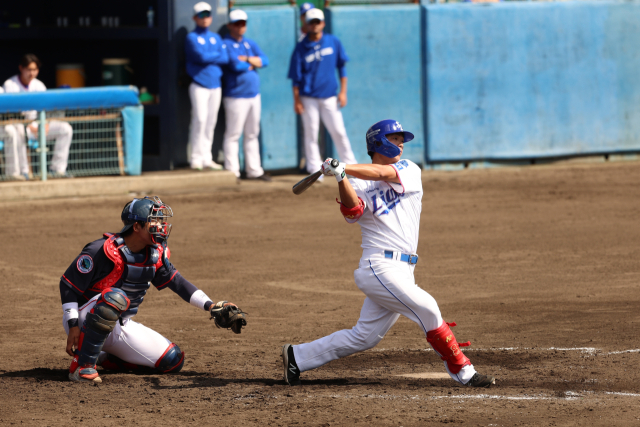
x: 241, y: 97
x: 313, y: 72
x: 205, y: 53
x: 105, y: 285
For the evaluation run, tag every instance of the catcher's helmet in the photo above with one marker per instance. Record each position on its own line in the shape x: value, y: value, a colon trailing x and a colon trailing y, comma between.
x: 149, y: 209
x: 377, y: 141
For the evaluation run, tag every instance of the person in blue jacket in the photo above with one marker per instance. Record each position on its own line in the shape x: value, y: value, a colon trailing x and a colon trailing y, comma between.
x: 313, y: 73
x: 205, y: 53
x: 241, y: 97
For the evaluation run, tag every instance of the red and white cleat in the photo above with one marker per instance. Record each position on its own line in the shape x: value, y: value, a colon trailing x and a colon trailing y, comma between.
x: 85, y: 374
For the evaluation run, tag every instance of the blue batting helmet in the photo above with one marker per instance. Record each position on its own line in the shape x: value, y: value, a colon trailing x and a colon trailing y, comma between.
x: 377, y: 141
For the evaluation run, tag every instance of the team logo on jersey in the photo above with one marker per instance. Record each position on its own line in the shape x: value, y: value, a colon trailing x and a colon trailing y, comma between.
x: 201, y: 40
x: 85, y: 264
x: 212, y: 40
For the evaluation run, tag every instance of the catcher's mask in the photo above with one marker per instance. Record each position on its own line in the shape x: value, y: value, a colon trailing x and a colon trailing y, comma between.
x: 149, y: 210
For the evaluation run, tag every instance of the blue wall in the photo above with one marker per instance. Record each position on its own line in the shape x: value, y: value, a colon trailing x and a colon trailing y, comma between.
x: 274, y: 29
x: 522, y: 80
x: 384, y: 71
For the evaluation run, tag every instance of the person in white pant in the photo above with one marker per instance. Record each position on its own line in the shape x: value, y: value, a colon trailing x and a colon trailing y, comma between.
x: 205, y: 52
x: 385, y: 199
x: 241, y: 97
x: 62, y: 132
x: 8, y: 136
x: 313, y: 73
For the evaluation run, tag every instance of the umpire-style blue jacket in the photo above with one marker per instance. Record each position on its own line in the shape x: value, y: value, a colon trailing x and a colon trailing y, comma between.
x: 313, y: 64
x: 205, y: 53
x: 237, y: 80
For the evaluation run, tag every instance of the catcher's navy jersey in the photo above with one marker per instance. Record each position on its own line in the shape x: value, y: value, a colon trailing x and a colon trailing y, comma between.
x: 92, y: 266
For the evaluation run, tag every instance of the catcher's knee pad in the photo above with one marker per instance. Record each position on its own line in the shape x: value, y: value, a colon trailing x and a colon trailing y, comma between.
x: 99, y: 323
x: 171, y: 361
x: 445, y: 344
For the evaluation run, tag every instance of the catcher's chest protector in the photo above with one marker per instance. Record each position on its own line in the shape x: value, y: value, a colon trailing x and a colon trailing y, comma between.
x: 132, y: 272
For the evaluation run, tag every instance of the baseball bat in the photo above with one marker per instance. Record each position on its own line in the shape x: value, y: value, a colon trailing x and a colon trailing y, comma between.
x: 302, y: 185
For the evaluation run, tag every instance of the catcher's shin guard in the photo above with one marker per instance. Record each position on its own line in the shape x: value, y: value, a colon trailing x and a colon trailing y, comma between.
x: 445, y: 344
x: 171, y: 360
x: 97, y: 326
x: 114, y: 363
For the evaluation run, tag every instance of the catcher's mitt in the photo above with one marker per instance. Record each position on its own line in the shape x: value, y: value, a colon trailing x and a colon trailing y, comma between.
x: 229, y: 317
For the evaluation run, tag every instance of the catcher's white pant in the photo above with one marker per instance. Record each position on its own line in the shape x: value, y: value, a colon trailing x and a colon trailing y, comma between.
x: 242, y: 114
x: 327, y: 110
x: 205, y: 104
x: 62, y: 132
x: 391, y: 291
x: 133, y: 342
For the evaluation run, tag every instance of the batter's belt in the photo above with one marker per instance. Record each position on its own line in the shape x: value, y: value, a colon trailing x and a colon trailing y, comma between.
x: 382, y: 253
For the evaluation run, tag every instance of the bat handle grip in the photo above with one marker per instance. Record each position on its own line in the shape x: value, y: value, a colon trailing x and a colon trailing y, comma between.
x: 334, y: 163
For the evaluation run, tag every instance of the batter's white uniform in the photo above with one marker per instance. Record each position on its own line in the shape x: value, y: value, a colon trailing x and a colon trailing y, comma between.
x: 62, y: 132
x: 390, y: 222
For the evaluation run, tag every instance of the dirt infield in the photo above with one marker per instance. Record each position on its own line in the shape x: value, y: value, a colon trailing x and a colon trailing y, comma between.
x: 538, y: 266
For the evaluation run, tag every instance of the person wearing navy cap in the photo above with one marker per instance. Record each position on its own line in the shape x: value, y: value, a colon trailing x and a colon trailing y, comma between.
x: 205, y: 53
x: 313, y: 73
x: 241, y: 97
x: 304, y: 8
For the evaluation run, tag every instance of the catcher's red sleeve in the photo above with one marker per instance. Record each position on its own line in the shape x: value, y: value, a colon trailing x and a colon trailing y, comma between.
x: 352, y: 215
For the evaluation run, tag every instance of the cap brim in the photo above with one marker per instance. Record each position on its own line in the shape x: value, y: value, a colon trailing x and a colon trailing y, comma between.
x: 408, y: 136
x: 125, y: 228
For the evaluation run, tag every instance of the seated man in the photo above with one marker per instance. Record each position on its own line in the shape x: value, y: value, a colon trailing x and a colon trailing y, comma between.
x: 62, y: 132
x: 7, y: 136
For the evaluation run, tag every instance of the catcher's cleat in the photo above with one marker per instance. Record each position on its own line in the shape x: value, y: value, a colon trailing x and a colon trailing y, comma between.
x: 481, y: 381
x: 291, y: 370
x: 85, y: 374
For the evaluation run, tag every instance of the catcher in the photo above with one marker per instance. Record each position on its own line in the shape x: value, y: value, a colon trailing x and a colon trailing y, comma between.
x: 103, y: 288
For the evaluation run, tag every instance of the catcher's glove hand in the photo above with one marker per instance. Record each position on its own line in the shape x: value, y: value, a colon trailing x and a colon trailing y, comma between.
x: 228, y: 317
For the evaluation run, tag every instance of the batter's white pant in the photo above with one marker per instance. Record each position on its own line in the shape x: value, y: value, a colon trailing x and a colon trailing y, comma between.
x: 242, y: 114
x: 9, y: 136
x: 327, y: 110
x: 133, y: 342
x: 62, y: 132
x: 391, y: 291
x: 205, y: 104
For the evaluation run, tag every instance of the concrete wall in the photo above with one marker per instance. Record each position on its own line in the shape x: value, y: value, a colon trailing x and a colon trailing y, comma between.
x: 523, y: 80
x: 384, y: 71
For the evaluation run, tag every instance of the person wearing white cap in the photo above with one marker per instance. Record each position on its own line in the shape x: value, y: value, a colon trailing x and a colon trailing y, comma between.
x: 241, y: 97
x: 313, y: 73
x: 205, y: 53
x: 304, y: 8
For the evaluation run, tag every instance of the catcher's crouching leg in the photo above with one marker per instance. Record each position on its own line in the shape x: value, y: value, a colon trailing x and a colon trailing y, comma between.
x: 171, y: 360
x: 97, y: 326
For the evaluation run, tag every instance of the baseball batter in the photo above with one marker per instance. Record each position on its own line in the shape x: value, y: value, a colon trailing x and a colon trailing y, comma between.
x: 312, y: 71
x: 385, y: 198
x: 103, y: 288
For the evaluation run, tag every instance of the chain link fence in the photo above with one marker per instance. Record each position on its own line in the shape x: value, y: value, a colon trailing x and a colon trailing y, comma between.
x: 79, y: 142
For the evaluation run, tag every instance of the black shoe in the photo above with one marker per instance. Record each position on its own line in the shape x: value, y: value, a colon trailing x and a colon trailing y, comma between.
x: 264, y: 177
x: 291, y: 371
x: 481, y: 381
